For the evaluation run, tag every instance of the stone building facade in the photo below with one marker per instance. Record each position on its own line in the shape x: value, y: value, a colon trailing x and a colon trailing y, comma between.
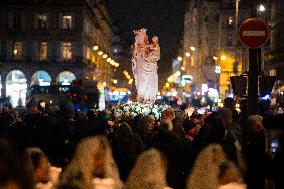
x: 210, y: 39
x: 53, y: 41
x: 274, y: 57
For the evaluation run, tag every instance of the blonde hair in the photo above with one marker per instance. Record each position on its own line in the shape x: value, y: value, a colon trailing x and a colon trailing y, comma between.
x: 255, y: 120
x: 205, y: 170
x: 29, y: 162
x: 83, y: 162
x: 149, y: 171
x: 212, y: 169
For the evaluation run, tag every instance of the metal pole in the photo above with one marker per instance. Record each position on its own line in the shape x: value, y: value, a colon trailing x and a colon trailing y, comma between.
x: 254, y: 61
x: 236, y: 31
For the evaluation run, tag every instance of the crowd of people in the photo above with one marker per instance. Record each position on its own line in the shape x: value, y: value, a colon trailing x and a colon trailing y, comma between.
x: 66, y: 149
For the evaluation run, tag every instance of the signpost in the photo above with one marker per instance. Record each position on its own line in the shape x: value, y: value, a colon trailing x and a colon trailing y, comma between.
x: 253, y: 34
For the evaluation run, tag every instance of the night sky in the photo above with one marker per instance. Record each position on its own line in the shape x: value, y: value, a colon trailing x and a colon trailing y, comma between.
x: 163, y: 18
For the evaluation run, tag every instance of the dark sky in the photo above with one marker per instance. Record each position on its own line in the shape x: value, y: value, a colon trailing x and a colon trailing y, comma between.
x: 163, y: 18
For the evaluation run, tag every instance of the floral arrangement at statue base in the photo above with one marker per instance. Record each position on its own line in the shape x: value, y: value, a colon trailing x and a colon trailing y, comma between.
x: 132, y: 109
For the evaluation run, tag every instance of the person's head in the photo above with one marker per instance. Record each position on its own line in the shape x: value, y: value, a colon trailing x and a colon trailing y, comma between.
x: 149, y: 171
x: 12, y: 172
x: 92, y: 158
x: 217, y: 129
x: 254, y: 124
x: 226, y: 115
x: 146, y: 123
x: 124, y: 131
x: 206, y: 163
x: 189, y: 127
x: 168, y: 114
x: 230, y: 103
x: 37, y: 163
x: 166, y: 125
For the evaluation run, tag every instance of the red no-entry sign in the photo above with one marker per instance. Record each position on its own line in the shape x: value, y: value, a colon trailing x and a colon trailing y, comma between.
x: 253, y: 33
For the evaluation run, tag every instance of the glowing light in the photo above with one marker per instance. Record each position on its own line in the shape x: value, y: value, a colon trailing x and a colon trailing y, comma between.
x: 104, y: 84
x: 130, y: 81
x: 105, y: 56
x: 115, y: 81
x: 187, y: 54
x: 158, y: 93
x: 179, y: 58
x: 182, y: 68
x: 170, y: 79
x: 261, y: 8
x: 218, y: 69
x: 117, y: 64
x: 192, y: 48
x: 115, y: 93
x: 223, y: 57
x: 215, y: 58
x: 96, y: 48
x: 112, y: 62
x: 167, y: 85
x: 177, y: 73
x: 100, y: 53
x: 108, y: 59
x: 15, y: 51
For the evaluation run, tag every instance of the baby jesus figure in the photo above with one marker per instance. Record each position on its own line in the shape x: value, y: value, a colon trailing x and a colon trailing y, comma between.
x: 153, y: 47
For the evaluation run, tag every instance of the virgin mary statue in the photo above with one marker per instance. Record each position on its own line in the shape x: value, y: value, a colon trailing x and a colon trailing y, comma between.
x: 144, y: 66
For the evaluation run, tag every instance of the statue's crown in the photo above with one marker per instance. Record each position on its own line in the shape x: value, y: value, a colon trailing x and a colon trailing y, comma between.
x: 141, y: 31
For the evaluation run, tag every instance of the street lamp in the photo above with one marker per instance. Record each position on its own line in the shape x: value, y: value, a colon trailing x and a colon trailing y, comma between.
x: 218, y: 69
x: 261, y: 8
x: 223, y: 57
x: 96, y: 48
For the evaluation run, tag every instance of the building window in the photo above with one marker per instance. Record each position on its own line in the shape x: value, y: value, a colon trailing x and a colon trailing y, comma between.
x: 67, y: 22
x: 17, y: 51
x: 230, y: 21
x: 272, y: 72
x: 14, y: 20
x: 42, y: 21
x: 66, y: 51
x: 43, y: 51
x: 88, y: 53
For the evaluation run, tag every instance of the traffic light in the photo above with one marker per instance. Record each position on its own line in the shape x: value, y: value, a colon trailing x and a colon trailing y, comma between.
x: 265, y: 85
x: 240, y: 84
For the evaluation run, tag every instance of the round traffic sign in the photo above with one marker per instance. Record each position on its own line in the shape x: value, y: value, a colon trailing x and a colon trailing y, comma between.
x: 253, y: 33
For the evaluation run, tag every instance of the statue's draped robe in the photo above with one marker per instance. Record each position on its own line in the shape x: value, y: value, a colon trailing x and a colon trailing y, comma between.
x: 144, y: 65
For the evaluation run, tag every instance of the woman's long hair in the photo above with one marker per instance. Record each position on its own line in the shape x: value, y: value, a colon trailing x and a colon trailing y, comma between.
x: 149, y: 171
x: 32, y: 159
x: 83, y: 162
x: 212, y: 169
x: 205, y: 170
